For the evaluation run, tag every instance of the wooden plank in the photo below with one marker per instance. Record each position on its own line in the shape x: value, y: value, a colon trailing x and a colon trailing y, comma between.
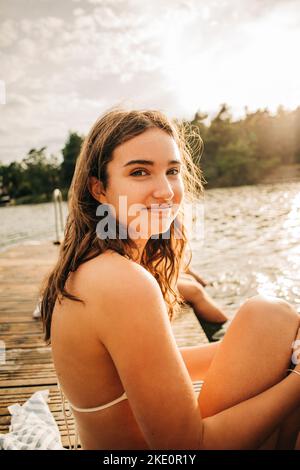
x: 19, y: 375
x: 42, y: 373
x: 26, y: 390
x: 25, y: 368
x: 16, y: 317
x: 29, y: 356
x: 25, y: 327
x: 46, y: 375
x: 37, y: 381
x: 24, y: 342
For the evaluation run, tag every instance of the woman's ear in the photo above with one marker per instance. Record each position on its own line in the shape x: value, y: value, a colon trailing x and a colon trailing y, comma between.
x: 96, y: 189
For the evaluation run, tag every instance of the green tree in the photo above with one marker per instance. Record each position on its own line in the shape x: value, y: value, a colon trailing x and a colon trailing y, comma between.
x: 220, y: 133
x: 35, y: 175
x: 12, y: 177
x: 41, y: 172
x: 70, y: 153
x: 296, y: 133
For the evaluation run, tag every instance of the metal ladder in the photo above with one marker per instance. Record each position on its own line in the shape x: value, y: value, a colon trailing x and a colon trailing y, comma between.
x: 59, y: 220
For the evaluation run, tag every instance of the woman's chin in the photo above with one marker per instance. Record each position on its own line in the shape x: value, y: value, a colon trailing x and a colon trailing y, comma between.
x: 151, y: 227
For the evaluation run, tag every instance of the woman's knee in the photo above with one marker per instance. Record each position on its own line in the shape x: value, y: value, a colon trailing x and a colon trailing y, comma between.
x: 266, y: 328
x: 270, y: 312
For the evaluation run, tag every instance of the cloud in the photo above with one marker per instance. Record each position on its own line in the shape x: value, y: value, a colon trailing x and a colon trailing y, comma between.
x: 98, y: 2
x: 2, y: 92
x: 240, y: 62
x: 16, y: 101
x: 78, y: 12
x: 65, y: 63
x: 8, y: 33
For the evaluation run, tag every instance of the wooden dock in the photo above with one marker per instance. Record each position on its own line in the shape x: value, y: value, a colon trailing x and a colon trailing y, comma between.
x: 28, y: 365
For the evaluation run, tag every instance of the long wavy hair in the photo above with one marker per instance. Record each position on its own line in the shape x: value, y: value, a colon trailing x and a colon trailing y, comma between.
x: 162, y: 257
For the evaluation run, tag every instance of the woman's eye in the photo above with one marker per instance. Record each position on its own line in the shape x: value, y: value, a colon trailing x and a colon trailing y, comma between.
x: 138, y: 173
x: 176, y: 171
x: 172, y: 171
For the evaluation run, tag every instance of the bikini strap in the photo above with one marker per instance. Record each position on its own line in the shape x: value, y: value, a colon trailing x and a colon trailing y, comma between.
x: 66, y: 416
x: 99, y: 408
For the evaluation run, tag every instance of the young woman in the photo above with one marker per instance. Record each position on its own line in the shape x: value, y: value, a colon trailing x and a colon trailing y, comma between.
x: 107, y: 305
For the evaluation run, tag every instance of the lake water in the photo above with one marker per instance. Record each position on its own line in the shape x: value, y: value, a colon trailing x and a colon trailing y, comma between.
x: 251, y: 243
x: 27, y: 223
x: 251, y: 240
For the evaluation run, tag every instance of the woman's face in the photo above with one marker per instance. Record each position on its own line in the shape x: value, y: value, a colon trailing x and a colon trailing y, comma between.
x: 145, y: 184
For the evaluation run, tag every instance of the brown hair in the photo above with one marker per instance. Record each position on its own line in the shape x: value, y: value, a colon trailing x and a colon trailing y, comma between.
x: 161, y: 257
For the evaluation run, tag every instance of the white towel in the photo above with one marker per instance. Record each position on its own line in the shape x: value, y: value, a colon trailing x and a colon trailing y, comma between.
x: 32, y: 426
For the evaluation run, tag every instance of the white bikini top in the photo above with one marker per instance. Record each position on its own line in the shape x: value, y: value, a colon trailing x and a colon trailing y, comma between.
x: 197, y: 385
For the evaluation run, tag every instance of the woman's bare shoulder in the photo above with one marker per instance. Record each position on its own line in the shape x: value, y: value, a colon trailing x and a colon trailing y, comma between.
x: 114, y: 289
x: 102, y: 275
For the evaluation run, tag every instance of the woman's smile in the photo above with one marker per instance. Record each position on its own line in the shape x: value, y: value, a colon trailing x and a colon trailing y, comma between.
x: 160, y: 209
x: 164, y: 211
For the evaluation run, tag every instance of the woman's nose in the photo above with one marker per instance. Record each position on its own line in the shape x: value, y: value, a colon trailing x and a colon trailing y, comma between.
x: 163, y: 189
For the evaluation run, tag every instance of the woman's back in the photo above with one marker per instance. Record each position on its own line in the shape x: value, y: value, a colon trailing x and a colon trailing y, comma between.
x: 88, y: 376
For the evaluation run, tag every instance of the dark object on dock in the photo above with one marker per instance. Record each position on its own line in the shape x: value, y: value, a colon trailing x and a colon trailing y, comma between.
x: 213, y: 331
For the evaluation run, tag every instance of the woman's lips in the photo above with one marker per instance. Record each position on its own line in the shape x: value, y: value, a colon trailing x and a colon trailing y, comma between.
x: 160, y: 211
x: 159, y: 208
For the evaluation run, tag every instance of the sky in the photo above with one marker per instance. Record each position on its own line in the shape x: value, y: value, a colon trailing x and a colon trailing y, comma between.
x: 63, y: 63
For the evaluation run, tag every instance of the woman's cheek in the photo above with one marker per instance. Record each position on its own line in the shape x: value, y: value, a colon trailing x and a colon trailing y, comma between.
x: 179, y: 191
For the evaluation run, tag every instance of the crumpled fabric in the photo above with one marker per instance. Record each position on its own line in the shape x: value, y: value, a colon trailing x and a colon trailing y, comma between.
x: 32, y: 426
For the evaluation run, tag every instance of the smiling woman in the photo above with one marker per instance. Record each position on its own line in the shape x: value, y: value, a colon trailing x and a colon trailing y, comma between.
x: 152, y: 186
x: 107, y: 306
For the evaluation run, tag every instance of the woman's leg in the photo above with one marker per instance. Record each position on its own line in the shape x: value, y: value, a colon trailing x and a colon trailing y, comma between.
x: 203, y: 305
x: 252, y: 357
x: 289, y: 431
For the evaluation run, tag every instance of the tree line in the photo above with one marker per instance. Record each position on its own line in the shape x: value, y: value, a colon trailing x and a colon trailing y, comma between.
x: 236, y: 152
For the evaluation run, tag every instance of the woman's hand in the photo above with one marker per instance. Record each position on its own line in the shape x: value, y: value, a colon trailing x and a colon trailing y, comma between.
x: 198, y: 278
x: 296, y: 352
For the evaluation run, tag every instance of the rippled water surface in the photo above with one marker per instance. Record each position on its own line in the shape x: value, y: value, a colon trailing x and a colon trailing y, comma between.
x: 251, y: 243
x: 26, y: 223
x: 251, y: 240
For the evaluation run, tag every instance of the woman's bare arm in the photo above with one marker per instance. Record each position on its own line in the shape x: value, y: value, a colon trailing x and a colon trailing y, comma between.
x: 131, y: 321
x: 248, y: 424
x: 197, y: 277
x: 253, y: 413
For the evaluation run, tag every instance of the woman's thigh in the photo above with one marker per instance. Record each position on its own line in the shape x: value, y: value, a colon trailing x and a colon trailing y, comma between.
x: 253, y: 355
